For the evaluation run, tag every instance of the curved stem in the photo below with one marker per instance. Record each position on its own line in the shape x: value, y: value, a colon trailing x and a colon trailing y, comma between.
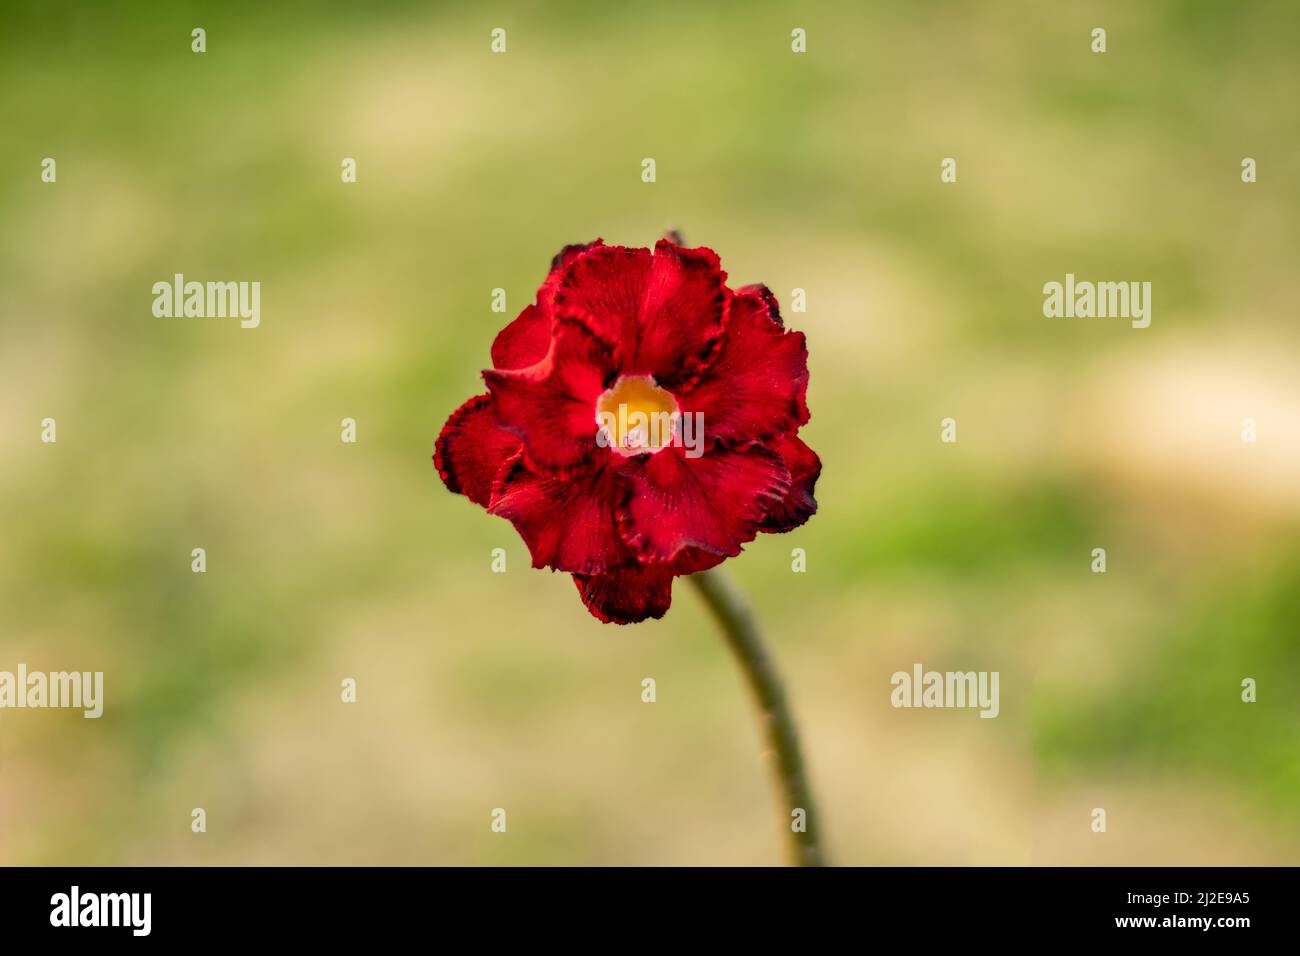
x: 733, y: 614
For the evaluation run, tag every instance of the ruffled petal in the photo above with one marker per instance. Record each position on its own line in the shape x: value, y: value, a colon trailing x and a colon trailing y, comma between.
x: 552, y: 405
x: 661, y: 313
x: 759, y: 298
x: 527, y: 339
x: 692, y: 560
x: 681, y: 316
x: 471, y: 450
x: 570, y: 523
x: 603, y: 288
x: 798, y: 505
x: 566, y: 256
x: 757, y: 387
x: 713, y: 503
x: 627, y: 595
x: 523, y: 342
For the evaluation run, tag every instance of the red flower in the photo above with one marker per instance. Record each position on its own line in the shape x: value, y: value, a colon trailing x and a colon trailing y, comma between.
x: 565, y: 444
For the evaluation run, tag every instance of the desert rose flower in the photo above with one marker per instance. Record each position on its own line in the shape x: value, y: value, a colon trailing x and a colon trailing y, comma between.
x: 641, y: 422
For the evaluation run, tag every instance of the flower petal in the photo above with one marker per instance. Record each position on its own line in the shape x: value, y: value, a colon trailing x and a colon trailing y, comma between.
x: 798, y: 504
x: 570, y: 523
x: 523, y: 342
x: 759, y: 298
x: 757, y: 386
x: 660, y: 312
x: 552, y: 405
x: 527, y: 339
x: 681, y: 316
x: 471, y: 450
x: 713, y: 503
x: 603, y: 288
x: 567, y: 255
x: 627, y: 595
x: 692, y: 560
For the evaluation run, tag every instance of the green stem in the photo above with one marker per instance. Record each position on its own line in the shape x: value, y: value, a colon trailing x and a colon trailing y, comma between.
x: 738, y: 627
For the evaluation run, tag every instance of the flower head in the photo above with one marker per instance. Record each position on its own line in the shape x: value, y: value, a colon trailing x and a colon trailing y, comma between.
x: 640, y: 422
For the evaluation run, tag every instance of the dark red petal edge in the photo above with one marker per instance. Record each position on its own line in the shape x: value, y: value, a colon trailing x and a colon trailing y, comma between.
x: 628, y: 595
x: 681, y: 316
x: 798, y: 505
x: 471, y: 450
x: 569, y: 522
x: 603, y: 289
x: 523, y: 342
x: 568, y: 254
x: 527, y: 339
x: 682, y: 507
x: 551, y: 405
x: 659, y: 311
x: 757, y: 386
x: 763, y: 295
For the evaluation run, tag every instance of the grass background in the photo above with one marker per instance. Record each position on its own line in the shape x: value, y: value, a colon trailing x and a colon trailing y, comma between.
x: 817, y: 171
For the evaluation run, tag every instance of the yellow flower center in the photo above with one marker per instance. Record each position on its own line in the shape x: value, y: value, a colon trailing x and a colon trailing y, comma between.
x: 636, y: 416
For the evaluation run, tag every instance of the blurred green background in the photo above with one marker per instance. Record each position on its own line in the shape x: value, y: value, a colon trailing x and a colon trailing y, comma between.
x: 817, y: 171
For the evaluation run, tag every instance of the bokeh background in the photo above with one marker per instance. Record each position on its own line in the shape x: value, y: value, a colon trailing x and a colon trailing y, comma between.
x: 818, y: 171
